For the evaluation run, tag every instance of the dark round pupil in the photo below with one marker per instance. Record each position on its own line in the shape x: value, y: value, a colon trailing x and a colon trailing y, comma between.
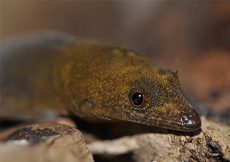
x: 137, y: 98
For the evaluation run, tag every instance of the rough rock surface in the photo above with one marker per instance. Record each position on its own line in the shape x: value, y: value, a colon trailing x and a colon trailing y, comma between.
x: 43, y: 142
x: 52, y: 141
x: 211, y: 144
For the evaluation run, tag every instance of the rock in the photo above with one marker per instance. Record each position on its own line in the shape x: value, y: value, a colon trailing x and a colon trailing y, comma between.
x: 211, y: 144
x: 50, y: 141
x: 42, y: 142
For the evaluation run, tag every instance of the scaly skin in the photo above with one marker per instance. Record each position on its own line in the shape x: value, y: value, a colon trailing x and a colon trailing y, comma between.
x: 94, y: 81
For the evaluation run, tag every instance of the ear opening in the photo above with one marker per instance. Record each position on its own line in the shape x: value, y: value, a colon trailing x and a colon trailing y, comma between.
x: 169, y: 76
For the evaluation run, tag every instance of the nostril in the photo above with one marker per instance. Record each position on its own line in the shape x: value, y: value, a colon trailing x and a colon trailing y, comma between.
x: 191, y: 120
x: 186, y: 120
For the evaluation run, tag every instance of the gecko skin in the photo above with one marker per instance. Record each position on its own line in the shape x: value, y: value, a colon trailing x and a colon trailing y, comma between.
x: 95, y: 81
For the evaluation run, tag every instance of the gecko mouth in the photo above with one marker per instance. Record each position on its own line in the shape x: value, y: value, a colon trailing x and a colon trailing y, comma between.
x: 186, y: 121
x: 183, y: 119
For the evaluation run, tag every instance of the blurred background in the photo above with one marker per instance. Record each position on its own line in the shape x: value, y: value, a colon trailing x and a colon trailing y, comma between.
x: 192, y: 37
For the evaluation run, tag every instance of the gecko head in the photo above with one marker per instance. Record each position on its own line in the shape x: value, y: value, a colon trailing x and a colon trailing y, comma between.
x: 159, y: 102
x: 133, y: 89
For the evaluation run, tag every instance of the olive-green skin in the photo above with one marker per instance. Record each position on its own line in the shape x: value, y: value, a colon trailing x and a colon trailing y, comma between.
x: 94, y: 81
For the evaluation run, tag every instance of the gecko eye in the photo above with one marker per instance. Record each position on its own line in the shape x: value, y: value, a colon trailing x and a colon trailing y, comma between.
x: 137, y: 98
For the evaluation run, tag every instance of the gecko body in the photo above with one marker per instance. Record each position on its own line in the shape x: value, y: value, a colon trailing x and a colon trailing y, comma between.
x: 95, y: 81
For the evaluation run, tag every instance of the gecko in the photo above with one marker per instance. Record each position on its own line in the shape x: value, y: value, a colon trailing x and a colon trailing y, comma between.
x: 96, y: 81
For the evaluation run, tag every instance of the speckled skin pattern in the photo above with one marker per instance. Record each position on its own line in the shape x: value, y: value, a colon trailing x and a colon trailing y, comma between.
x: 93, y: 81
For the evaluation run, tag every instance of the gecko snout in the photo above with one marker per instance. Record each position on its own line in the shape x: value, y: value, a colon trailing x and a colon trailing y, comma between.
x: 190, y: 120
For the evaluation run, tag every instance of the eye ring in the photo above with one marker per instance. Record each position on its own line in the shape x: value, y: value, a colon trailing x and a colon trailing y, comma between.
x: 137, y: 98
